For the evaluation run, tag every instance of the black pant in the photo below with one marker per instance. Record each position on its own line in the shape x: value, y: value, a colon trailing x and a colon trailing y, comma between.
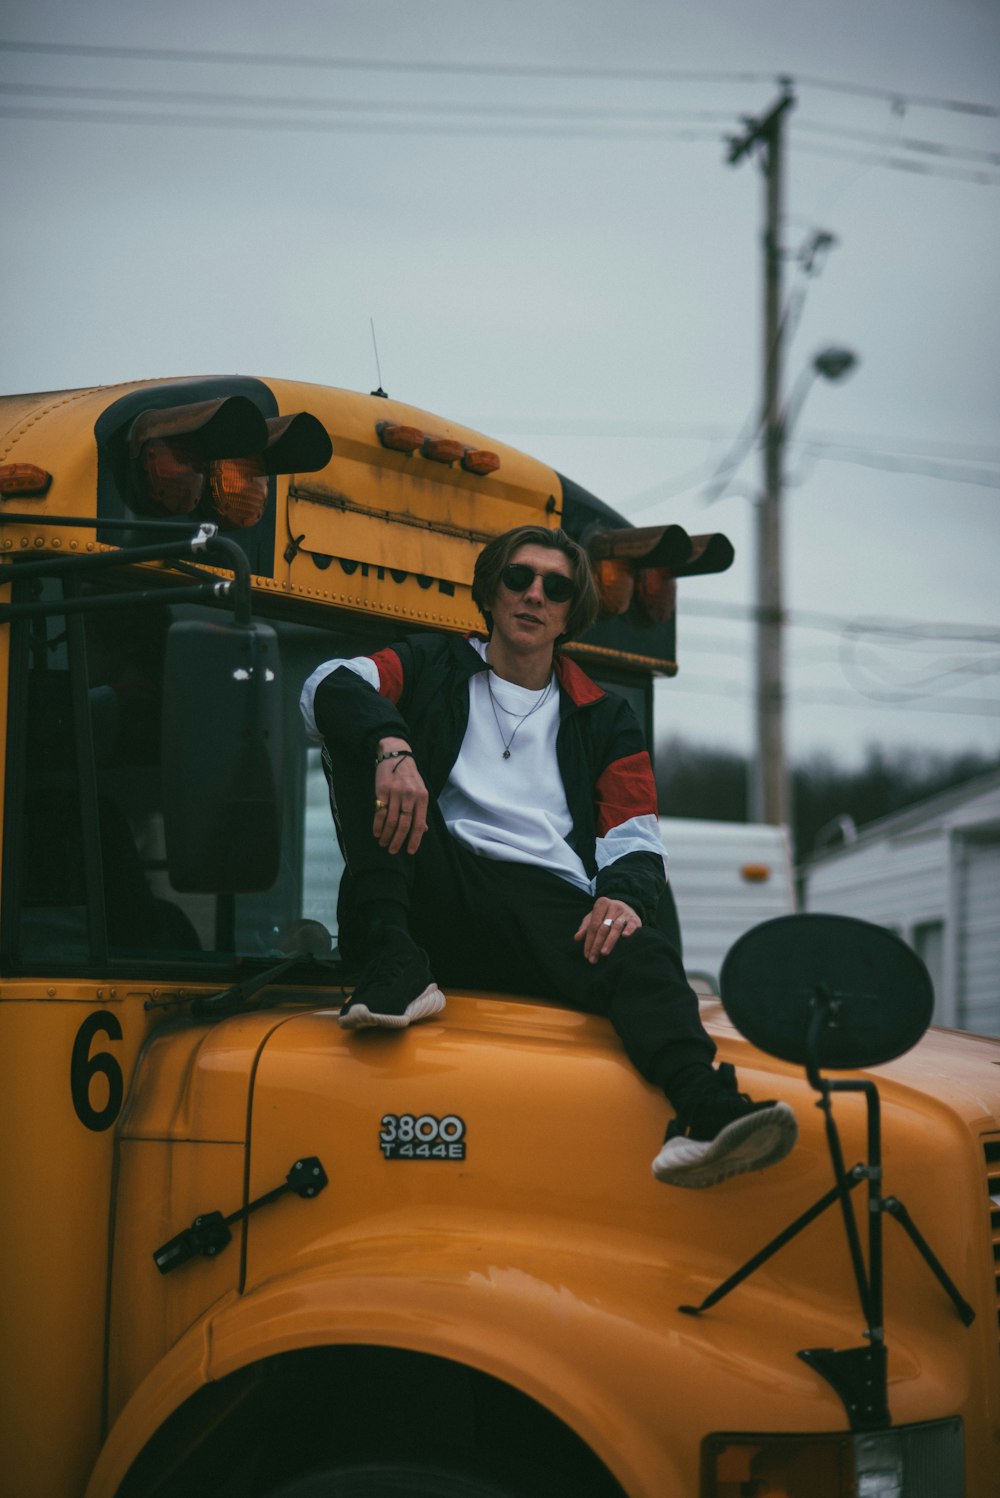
x: 510, y: 927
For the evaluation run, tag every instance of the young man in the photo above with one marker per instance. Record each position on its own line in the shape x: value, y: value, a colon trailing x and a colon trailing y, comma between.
x: 497, y: 812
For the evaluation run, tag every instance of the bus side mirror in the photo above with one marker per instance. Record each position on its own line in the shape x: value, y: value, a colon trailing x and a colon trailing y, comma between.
x: 222, y: 756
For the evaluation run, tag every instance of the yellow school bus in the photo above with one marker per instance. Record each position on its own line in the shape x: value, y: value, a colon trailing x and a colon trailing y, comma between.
x: 247, y: 1252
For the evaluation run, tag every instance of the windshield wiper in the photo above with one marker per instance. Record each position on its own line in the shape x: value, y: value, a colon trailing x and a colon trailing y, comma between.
x: 238, y: 997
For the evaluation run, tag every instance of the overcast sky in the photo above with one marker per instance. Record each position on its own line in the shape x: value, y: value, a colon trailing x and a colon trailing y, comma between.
x: 532, y: 202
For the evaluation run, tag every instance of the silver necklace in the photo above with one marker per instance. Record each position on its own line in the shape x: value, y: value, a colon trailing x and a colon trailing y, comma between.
x: 522, y: 719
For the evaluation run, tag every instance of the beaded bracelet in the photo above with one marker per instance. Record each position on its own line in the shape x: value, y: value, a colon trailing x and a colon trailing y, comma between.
x: 393, y: 754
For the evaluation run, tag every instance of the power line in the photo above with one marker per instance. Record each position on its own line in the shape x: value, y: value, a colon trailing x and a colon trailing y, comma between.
x: 900, y: 100
x: 616, y: 117
x: 900, y: 142
x: 887, y: 683
x: 415, y: 127
x: 617, y: 124
x: 736, y: 686
x: 602, y: 428
x: 955, y: 471
x: 108, y: 94
x: 909, y: 629
x: 624, y: 123
x: 898, y: 164
x: 951, y: 472
x: 933, y: 447
x: 382, y: 64
x: 756, y: 420
x: 921, y: 684
x: 505, y: 127
x: 932, y: 673
x: 964, y: 706
x: 894, y: 97
x: 354, y: 127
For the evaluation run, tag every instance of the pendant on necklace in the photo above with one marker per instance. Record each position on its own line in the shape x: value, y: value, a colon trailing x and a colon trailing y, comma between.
x: 506, y: 754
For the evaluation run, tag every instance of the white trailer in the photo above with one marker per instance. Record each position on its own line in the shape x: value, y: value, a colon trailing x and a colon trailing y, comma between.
x: 726, y: 877
x: 932, y: 875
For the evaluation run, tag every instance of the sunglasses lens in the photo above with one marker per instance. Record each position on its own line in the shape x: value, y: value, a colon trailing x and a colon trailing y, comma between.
x: 558, y: 589
x: 517, y: 576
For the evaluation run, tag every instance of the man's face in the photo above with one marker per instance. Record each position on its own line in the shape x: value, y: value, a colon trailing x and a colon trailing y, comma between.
x: 528, y: 620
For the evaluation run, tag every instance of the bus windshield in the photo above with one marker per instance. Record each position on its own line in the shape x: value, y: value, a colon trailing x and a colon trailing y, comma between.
x: 85, y: 873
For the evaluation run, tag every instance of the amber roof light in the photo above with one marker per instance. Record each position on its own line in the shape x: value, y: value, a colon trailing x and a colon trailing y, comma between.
x: 23, y: 479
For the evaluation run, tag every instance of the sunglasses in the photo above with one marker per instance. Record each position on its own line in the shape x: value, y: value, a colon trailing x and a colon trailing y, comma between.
x: 518, y: 576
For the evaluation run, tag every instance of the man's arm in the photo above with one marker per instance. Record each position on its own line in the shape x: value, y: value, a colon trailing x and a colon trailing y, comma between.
x: 631, y: 869
x: 352, y: 705
x: 631, y: 866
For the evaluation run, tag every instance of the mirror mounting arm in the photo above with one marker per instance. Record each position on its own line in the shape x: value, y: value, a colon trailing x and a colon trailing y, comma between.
x: 205, y: 541
x: 209, y: 540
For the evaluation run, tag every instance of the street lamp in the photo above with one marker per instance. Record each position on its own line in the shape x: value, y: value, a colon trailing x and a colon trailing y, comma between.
x: 769, y: 801
x: 831, y: 363
x: 834, y: 363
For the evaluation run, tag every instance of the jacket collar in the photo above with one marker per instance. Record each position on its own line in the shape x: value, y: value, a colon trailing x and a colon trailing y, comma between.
x: 575, y: 684
x: 468, y: 657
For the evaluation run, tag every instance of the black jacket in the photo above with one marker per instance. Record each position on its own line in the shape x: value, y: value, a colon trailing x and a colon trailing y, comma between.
x: 423, y: 698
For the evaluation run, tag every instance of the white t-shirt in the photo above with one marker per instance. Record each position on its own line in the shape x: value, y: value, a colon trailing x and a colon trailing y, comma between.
x: 513, y: 809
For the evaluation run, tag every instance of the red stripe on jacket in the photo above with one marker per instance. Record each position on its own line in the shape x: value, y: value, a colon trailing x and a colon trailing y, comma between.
x: 390, y: 674
x: 625, y: 789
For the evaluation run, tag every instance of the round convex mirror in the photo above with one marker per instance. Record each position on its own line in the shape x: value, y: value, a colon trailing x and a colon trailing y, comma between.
x: 882, y: 992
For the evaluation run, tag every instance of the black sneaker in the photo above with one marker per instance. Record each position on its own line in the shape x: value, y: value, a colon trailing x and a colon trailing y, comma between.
x: 395, y: 988
x: 724, y: 1134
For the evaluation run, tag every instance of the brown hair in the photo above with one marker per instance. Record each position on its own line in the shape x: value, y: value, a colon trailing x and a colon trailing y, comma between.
x: 497, y: 553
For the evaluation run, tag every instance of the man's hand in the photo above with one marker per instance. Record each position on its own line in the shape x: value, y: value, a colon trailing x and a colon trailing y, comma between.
x: 400, y: 801
x: 603, y: 928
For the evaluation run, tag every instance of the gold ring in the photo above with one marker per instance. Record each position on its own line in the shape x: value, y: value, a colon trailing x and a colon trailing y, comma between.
x: 380, y: 806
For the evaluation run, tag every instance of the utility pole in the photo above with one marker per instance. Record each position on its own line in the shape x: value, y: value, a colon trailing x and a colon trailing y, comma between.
x: 769, y: 800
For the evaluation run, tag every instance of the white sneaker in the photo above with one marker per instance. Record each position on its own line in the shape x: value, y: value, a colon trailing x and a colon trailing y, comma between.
x: 394, y: 990
x: 759, y: 1138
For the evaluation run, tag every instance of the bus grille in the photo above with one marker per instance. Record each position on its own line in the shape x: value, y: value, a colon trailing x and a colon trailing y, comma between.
x: 991, y: 1149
